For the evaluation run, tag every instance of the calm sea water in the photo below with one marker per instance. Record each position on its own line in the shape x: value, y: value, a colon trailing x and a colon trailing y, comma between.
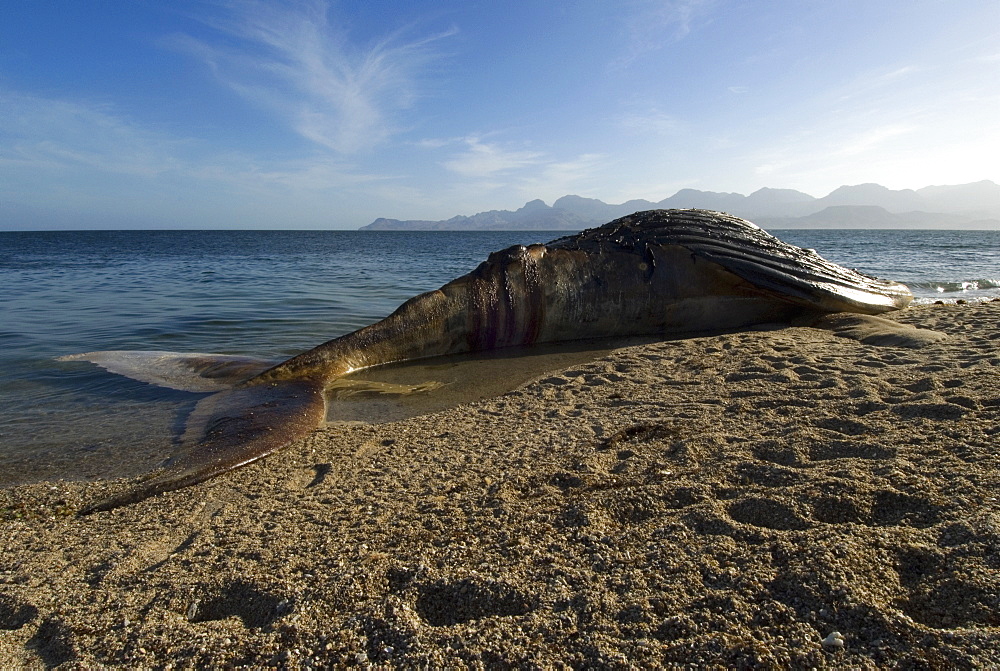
x: 273, y: 294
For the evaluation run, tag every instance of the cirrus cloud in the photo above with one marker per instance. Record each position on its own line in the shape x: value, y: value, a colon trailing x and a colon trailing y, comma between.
x: 480, y: 159
x: 291, y: 58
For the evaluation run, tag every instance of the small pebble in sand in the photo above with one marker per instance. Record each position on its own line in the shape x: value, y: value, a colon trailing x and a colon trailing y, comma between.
x: 835, y: 641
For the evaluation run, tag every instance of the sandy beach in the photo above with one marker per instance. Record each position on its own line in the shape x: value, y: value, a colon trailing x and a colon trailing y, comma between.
x: 776, y: 497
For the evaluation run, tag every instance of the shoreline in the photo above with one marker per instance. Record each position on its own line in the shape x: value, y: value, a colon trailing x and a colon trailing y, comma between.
x: 731, y: 500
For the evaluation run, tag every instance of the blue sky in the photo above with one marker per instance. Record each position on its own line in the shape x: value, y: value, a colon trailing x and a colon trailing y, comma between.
x: 310, y: 114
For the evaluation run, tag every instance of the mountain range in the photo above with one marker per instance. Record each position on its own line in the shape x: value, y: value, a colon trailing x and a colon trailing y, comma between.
x: 974, y: 206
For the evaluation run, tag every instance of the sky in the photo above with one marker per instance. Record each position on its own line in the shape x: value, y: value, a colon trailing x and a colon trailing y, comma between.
x: 297, y: 114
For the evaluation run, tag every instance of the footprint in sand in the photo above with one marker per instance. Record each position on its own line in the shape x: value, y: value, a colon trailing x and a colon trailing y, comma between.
x: 934, y: 411
x: 838, y: 510
x: 767, y: 513
x: 892, y: 508
x: 53, y: 643
x: 443, y: 602
x: 256, y: 606
x: 846, y: 426
x: 953, y: 602
x: 849, y: 449
x: 778, y: 453
x: 14, y: 613
x: 938, y: 596
x: 767, y: 475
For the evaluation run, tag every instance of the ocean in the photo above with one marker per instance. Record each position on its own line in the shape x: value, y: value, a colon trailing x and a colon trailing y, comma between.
x: 273, y: 294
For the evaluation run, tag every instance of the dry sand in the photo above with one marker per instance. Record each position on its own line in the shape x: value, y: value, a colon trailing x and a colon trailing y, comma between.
x: 728, y: 500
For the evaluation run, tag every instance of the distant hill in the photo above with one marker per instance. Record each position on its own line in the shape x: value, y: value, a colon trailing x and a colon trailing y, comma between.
x: 873, y: 216
x: 534, y: 216
x: 975, y: 205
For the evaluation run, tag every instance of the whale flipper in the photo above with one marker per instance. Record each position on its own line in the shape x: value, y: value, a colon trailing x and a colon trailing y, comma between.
x: 185, y: 372
x: 872, y: 330
x: 230, y: 429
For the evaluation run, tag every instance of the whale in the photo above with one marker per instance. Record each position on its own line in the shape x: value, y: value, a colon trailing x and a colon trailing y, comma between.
x: 652, y: 273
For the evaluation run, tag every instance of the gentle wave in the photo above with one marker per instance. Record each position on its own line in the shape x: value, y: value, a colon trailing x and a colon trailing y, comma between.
x: 943, y: 291
x: 945, y: 286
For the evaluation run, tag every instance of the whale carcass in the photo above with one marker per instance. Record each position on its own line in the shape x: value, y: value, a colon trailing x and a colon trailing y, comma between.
x: 650, y: 273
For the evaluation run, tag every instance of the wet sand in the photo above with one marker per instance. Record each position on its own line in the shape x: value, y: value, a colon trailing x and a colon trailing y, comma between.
x: 730, y: 500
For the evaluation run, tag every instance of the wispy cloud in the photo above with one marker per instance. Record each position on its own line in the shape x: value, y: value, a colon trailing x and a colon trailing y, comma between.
x: 675, y: 15
x: 53, y: 142
x: 650, y: 122
x: 480, y: 159
x: 652, y: 24
x: 288, y: 56
x: 39, y: 132
x: 553, y: 179
x: 873, y: 139
x: 848, y: 150
x: 870, y: 85
x: 483, y: 167
x: 317, y: 174
x: 560, y: 175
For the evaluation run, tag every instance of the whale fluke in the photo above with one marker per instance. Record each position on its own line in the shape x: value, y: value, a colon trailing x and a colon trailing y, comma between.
x: 230, y: 429
x: 185, y: 372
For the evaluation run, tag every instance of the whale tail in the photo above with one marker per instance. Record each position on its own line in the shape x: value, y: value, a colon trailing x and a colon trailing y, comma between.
x: 174, y: 370
x: 245, y: 419
x: 229, y: 429
x: 242, y: 421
